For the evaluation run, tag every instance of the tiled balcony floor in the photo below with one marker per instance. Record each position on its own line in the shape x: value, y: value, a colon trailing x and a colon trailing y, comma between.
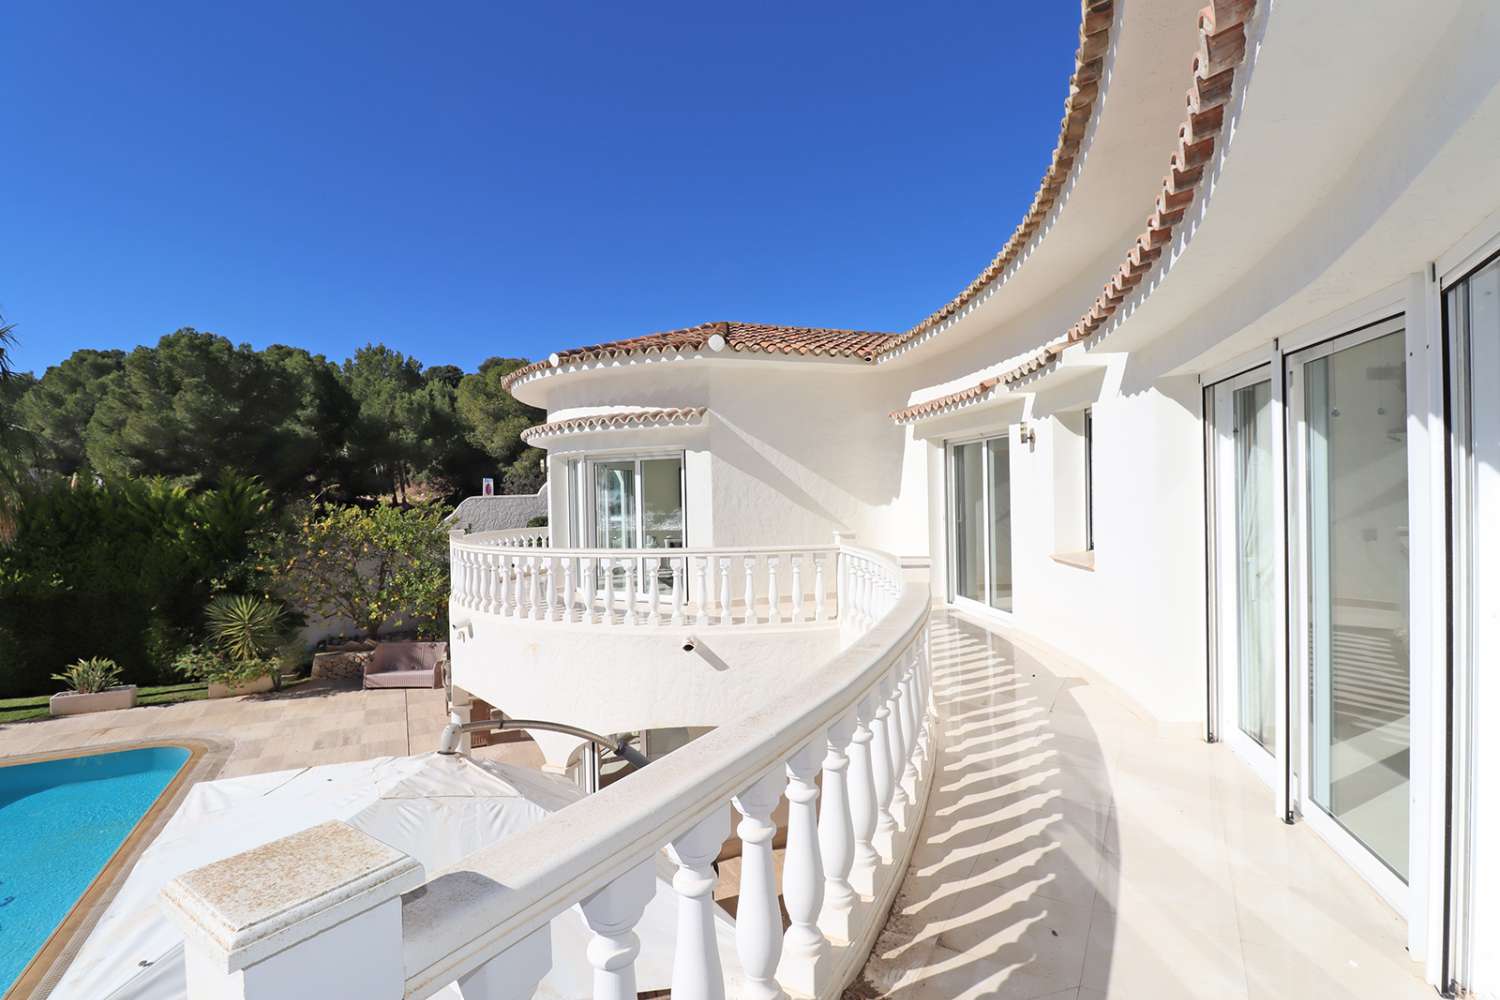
x: 1071, y: 851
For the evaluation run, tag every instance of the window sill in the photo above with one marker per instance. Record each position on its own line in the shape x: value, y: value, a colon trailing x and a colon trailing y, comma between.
x: 1080, y: 560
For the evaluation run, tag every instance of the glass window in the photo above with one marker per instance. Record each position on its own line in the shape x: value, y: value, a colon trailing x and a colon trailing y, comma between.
x: 1358, y: 609
x: 1254, y: 564
x: 1088, y: 480
x: 980, y: 550
x: 997, y: 457
x: 968, y: 520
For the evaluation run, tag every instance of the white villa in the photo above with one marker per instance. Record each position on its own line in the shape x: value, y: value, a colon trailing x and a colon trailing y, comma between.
x: 1195, y: 488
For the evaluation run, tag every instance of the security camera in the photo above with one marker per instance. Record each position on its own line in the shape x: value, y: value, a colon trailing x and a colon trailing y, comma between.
x: 689, y: 644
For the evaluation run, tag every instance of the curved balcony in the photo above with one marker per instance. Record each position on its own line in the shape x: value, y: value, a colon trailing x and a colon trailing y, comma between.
x: 849, y: 744
x: 624, y: 640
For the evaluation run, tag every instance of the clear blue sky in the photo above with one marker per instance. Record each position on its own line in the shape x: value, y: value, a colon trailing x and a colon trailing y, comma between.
x: 465, y: 179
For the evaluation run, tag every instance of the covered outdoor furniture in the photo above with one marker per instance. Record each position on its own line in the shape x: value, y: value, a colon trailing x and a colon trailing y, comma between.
x: 406, y: 665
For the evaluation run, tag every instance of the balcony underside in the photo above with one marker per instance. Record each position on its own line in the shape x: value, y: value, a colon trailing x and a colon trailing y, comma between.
x: 1071, y: 850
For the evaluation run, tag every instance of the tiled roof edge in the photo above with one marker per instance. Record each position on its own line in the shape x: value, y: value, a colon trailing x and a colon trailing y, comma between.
x: 674, y: 417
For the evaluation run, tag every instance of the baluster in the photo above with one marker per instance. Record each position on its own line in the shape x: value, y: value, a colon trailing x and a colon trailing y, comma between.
x: 862, y: 807
x: 469, y: 589
x: 677, y: 573
x: 607, y: 581
x: 726, y: 601
x: 796, y: 560
x: 820, y: 594
x: 910, y: 728
x: 503, y: 571
x: 653, y: 589
x: 757, y: 918
x: 570, y: 593
x: 700, y: 570
x: 836, y: 832
x: 630, y: 606
x: 612, y: 914
x: 896, y: 741
x: 487, y: 562
x: 697, y: 973
x: 842, y: 585
x: 805, y: 958
x: 533, y: 587
x: 880, y: 769
x: 773, y: 591
x: 749, y: 563
x: 554, y: 605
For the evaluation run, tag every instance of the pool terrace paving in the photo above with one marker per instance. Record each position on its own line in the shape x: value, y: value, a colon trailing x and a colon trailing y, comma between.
x: 318, y: 722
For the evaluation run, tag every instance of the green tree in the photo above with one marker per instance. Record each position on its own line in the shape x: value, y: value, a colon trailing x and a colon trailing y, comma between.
x: 58, y: 408
x: 385, y: 386
x: 494, y: 419
x: 377, y: 567
x: 193, y: 407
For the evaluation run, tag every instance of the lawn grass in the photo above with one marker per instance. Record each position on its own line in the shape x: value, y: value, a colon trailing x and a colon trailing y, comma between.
x: 35, y: 707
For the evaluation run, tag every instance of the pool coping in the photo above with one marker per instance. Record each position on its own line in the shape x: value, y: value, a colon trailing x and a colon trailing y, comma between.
x: 206, y: 757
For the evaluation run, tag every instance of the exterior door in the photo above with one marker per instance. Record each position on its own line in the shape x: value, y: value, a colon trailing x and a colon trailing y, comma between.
x: 1351, y: 639
x: 638, y: 504
x: 1245, y: 558
x: 1472, y: 308
x: 979, y: 544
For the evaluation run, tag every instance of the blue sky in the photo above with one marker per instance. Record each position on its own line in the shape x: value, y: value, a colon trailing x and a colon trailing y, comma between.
x: 460, y: 180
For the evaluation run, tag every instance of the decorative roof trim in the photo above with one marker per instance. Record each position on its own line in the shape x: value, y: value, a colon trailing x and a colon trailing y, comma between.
x: 1078, y: 112
x: 1222, y: 43
x: 624, y: 420
x: 740, y: 338
x: 980, y: 392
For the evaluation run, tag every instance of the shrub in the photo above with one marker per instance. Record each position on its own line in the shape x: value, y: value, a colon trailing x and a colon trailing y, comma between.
x: 90, y: 676
x: 214, y: 666
x: 540, y: 521
x: 376, y: 567
x: 245, y: 627
x: 136, y: 560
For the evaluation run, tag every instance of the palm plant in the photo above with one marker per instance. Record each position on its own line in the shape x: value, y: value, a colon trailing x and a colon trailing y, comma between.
x: 90, y: 676
x: 245, y: 627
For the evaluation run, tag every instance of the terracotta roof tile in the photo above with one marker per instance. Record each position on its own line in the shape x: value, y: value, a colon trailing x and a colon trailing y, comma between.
x: 762, y: 338
x: 1221, y: 48
x: 619, y: 420
x: 1078, y: 109
x: 944, y: 404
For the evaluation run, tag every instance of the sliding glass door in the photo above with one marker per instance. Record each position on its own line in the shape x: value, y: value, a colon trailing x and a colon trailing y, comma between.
x: 638, y: 504
x: 1245, y: 554
x: 979, y: 519
x: 1352, y: 640
x: 1472, y: 311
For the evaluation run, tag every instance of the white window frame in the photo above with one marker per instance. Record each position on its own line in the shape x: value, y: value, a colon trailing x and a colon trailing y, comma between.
x: 982, y: 439
x: 1361, y: 858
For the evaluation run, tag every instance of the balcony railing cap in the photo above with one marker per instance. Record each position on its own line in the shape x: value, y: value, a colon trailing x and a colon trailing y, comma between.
x: 250, y: 906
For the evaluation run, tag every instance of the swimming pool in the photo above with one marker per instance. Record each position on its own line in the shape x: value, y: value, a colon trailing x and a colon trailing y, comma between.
x: 60, y: 823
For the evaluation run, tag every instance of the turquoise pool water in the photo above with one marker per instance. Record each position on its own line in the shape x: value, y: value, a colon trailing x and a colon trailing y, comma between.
x: 60, y: 823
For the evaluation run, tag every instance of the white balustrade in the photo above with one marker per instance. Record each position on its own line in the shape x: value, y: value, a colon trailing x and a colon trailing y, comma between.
x: 612, y: 913
x: 697, y: 971
x: 677, y: 580
x: 726, y: 602
x: 863, y: 721
x: 592, y: 585
x: 804, y: 950
x: 836, y: 832
x: 749, y: 562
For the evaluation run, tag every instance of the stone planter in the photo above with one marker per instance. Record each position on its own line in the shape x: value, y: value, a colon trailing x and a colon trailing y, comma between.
x: 340, y: 665
x: 258, y: 686
x: 74, y: 703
